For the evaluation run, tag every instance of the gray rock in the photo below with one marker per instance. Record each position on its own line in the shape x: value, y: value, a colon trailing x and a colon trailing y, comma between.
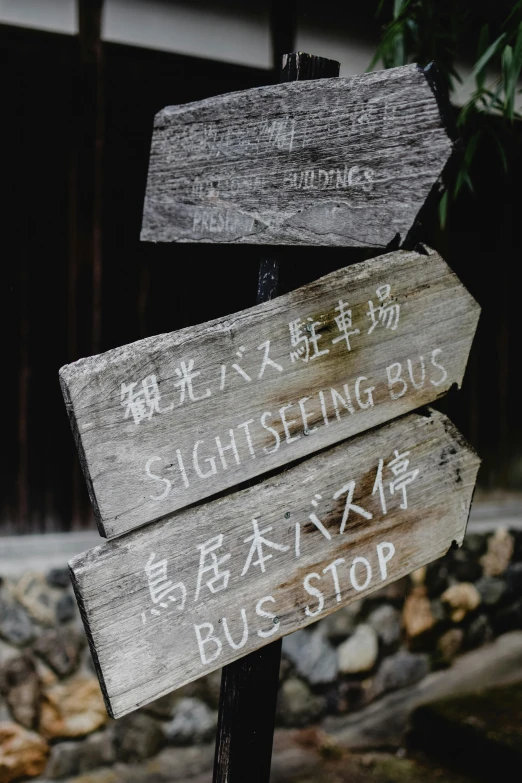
x: 508, y: 619
x: 438, y: 611
x: 5, y: 715
x: 20, y: 685
x: 297, y: 705
x: 137, y: 737
x: 66, y: 609
x: 61, y: 649
x: 399, y: 671
x: 359, y: 652
x: 97, y: 751
x: 212, y: 688
x: 338, y: 625
x: 192, y: 764
x: 58, y: 577
x: 449, y: 644
x: 163, y: 707
x: 513, y: 577
x: 7, y: 651
x: 192, y: 721
x: 73, y: 758
x: 464, y: 567
x: 312, y: 655
x: 286, y: 669
x: 386, y: 622
x: 491, y: 589
x: 395, y: 592
x: 87, y: 663
x: 40, y: 600
x: 475, y: 543
x: 351, y: 696
x: 64, y: 760
x: 437, y: 578
x: 478, y: 632
x: 15, y: 625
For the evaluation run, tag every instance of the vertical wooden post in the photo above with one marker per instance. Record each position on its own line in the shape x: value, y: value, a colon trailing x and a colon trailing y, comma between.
x: 90, y: 184
x: 85, y: 210
x: 283, y: 32
x: 249, y: 686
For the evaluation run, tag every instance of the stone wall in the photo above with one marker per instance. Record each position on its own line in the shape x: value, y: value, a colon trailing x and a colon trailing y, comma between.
x: 53, y: 722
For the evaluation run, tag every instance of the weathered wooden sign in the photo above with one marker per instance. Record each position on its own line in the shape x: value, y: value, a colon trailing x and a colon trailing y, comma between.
x: 170, y: 602
x: 172, y: 419
x: 324, y: 162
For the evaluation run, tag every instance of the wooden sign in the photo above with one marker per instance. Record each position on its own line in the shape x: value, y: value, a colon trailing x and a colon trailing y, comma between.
x: 175, y: 600
x: 172, y: 419
x: 324, y: 162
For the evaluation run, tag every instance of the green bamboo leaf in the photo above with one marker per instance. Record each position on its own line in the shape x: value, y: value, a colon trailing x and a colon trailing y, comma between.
x: 463, y: 178
x: 400, y: 8
x: 516, y: 67
x: 397, y: 7
x: 458, y: 183
x: 486, y: 57
x: 507, y: 79
x: 515, y: 11
x: 471, y: 147
x: 468, y: 182
x: 517, y: 57
x: 467, y: 110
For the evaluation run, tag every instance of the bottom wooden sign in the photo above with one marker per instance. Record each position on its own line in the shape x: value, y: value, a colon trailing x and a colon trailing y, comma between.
x: 177, y: 599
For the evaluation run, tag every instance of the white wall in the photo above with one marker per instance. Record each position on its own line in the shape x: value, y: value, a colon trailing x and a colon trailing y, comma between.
x: 229, y: 31
x: 234, y: 31
x: 57, y: 16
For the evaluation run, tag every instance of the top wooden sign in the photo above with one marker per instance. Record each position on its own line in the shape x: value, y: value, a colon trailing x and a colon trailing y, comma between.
x: 324, y: 162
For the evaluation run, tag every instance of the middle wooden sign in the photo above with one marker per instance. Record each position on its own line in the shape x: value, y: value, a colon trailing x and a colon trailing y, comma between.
x: 169, y: 420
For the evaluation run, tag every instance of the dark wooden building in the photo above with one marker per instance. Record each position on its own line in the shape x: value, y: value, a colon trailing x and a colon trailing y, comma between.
x: 77, y: 123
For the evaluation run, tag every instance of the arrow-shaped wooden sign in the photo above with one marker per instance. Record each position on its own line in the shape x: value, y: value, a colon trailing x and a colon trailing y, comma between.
x: 169, y: 603
x: 324, y: 162
x: 167, y: 421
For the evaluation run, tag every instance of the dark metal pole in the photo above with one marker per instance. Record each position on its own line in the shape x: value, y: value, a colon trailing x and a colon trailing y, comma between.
x: 249, y: 686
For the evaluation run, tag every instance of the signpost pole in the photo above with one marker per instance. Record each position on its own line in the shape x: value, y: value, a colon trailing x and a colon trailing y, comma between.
x: 249, y: 686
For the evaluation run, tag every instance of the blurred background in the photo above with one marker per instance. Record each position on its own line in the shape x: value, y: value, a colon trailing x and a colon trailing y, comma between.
x: 81, y: 83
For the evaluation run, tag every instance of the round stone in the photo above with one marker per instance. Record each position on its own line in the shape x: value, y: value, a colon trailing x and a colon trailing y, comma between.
x: 359, y: 652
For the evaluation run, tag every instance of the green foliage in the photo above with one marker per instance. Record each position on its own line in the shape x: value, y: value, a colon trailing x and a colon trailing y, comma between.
x: 423, y: 31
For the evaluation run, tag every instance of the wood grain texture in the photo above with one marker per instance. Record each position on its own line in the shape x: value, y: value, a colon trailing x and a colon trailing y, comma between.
x: 146, y: 646
x: 339, y: 161
x: 191, y: 444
